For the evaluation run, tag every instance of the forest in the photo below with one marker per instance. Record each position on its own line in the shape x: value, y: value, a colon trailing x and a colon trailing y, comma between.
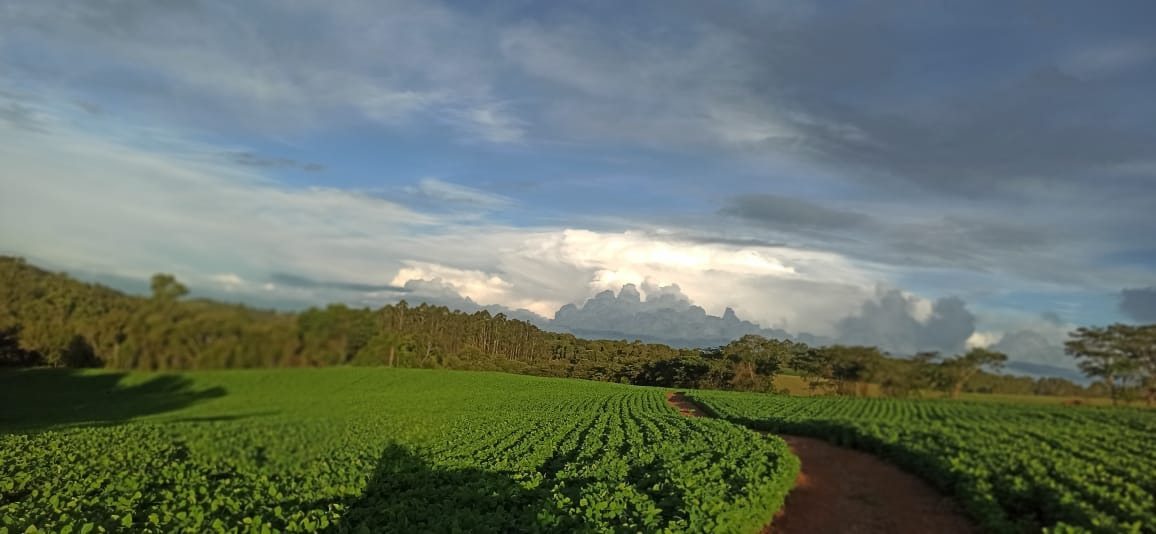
x: 51, y: 319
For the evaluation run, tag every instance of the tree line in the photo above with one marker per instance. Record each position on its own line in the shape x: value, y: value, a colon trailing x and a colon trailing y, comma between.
x: 50, y: 319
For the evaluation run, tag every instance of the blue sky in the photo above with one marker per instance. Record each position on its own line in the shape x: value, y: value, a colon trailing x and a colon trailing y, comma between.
x: 989, y: 163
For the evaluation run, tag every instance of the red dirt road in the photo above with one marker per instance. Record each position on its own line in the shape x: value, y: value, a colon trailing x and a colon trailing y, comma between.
x: 842, y: 491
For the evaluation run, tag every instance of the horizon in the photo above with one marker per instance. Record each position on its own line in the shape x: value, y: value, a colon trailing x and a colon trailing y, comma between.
x: 913, y: 179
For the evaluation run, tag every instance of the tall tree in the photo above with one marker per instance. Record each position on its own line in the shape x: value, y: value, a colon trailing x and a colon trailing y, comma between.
x: 1141, y: 348
x: 1109, y: 353
x: 958, y: 370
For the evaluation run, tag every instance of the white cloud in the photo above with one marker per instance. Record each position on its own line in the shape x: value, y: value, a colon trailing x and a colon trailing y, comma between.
x: 919, y: 308
x: 483, y: 288
x: 442, y: 191
x: 983, y: 339
x: 235, y: 65
x: 122, y: 202
x: 491, y: 123
x: 229, y: 280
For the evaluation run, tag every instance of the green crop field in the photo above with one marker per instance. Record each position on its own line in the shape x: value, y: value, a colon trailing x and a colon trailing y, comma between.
x: 370, y: 450
x: 1014, y: 468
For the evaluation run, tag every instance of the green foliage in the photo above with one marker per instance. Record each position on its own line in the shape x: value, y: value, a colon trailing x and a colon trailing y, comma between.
x: 371, y: 450
x: 1118, y: 354
x: 1014, y: 468
x: 956, y: 371
x: 51, y: 319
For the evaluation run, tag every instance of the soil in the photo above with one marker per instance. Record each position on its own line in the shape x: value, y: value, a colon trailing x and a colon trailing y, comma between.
x: 843, y: 491
x: 685, y: 406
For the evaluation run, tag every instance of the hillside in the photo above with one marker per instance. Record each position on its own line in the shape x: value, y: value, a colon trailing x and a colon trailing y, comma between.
x: 54, y: 320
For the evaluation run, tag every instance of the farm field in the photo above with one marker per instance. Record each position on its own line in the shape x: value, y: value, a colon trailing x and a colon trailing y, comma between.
x: 797, y: 385
x: 371, y: 450
x: 1013, y: 468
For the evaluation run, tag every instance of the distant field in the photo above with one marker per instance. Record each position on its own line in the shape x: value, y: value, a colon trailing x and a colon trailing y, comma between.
x: 371, y: 450
x: 797, y: 385
x: 1014, y: 468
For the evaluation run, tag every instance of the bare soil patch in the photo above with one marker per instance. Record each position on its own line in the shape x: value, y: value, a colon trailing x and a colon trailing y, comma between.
x: 843, y: 491
x: 685, y: 406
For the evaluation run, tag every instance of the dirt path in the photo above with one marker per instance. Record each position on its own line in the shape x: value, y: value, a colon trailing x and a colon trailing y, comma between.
x: 845, y: 491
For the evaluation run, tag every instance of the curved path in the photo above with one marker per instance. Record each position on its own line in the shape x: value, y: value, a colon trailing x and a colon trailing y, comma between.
x: 845, y: 491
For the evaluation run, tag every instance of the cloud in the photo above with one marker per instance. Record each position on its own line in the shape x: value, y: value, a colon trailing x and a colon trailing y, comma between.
x: 1139, y: 304
x: 292, y: 280
x: 491, y: 123
x: 255, y: 160
x: 1028, y: 346
x: 443, y: 192
x: 228, y: 280
x: 665, y: 316
x: 1041, y: 370
x: 168, y: 204
x: 890, y: 322
x: 71, y: 197
x: 21, y: 116
x: 440, y: 293
x: 1108, y: 58
x: 791, y: 213
x: 1052, y: 318
x: 243, y: 66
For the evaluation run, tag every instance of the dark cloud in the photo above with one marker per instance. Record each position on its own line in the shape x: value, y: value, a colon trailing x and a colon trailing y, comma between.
x: 790, y: 213
x: 960, y: 242
x: 255, y: 160
x: 889, y: 93
x: 1139, y: 304
x: 889, y: 323
x: 297, y: 281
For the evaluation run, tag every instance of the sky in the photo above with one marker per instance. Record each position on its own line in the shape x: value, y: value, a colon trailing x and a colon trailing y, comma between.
x: 913, y: 175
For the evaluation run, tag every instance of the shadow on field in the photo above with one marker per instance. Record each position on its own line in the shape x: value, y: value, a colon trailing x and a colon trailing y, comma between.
x: 45, y: 399
x: 407, y: 494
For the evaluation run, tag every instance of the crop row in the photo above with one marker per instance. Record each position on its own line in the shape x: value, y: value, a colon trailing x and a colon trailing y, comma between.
x: 1014, y: 468
x: 370, y: 450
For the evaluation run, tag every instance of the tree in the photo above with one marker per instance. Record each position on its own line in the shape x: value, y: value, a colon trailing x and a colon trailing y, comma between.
x: 1141, y: 348
x: 756, y: 359
x: 165, y: 287
x: 814, y: 365
x: 852, y: 367
x: 958, y: 370
x: 1116, y: 354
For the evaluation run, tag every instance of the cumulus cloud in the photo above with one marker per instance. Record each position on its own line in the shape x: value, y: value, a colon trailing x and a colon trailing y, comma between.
x: 1029, y: 345
x: 179, y: 209
x: 657, y: 314
x: 440, y: 293
x: 890, y: 322
x: 1139, y: 304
